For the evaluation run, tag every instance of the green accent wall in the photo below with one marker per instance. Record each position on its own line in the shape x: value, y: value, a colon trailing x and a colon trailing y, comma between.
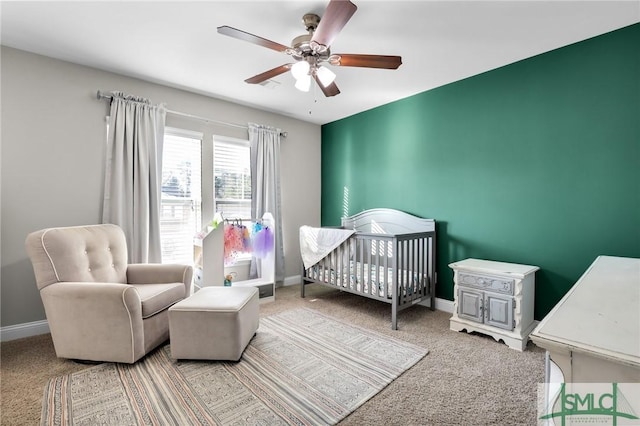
x: 537, y: 162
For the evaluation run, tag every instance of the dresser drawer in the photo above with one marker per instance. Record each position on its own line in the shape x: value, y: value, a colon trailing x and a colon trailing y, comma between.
x: 486, y: 282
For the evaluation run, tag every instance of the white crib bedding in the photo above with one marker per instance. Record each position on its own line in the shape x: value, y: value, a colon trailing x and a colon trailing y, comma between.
x: 356, y: 281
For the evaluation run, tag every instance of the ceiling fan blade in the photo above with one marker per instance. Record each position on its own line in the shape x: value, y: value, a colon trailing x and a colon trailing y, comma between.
x: 268, y: 74
x: 330, y: 90
x: 242, y: 35
x: 334, y: 19
x: 366, y: 61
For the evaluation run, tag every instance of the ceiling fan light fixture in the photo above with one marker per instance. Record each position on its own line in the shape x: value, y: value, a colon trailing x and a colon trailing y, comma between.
x: 303, y: 83
x: 300, y: 69
x: 325, y: 75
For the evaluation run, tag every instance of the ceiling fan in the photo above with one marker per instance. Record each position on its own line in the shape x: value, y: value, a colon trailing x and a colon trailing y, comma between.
x: 311, y: 50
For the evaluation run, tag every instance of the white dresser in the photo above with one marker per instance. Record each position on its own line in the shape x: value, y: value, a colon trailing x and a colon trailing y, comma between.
x: 494, y: 298
x: 593, y: 333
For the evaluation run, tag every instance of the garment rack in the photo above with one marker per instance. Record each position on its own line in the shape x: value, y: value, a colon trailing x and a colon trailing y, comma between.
x: 243, y: 219
x: 100, y: 95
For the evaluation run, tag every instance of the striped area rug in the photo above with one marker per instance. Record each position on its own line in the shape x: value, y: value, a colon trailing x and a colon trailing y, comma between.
x: 301, y: 368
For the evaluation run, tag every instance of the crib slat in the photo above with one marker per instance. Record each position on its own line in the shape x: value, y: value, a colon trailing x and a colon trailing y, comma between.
x: 408, y: 296
x: 324, y: 270
x: 422, y: 272
x: 359, y: 266
x: 415, y: 276
x: 339, y: 266
x: 405, y: 270
x: 394, y: 290
x: 375, y: 283
x: 410, y: 268
x: 385, y: 263
x: 401, y: 269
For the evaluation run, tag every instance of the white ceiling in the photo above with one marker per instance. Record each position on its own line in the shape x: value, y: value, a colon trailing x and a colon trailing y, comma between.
x: 176, y: 43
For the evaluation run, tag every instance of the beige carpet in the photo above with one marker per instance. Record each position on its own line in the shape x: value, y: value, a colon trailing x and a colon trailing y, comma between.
x: 465, y: 379
x: 301, y: 368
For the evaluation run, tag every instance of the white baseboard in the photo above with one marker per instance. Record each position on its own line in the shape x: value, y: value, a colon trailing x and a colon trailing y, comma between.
x: 35, y: 328
x: 444, y: 305
x: 293, y: 280
x: 441, y: 304
x: 18, y: 331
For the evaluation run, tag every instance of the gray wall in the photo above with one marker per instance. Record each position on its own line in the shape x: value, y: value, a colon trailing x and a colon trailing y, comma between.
x: 53, y: 136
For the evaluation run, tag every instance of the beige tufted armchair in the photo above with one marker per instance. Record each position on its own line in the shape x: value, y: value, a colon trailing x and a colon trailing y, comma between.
x: 100, y: 308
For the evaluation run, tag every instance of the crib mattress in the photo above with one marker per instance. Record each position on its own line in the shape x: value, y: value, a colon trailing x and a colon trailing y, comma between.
x: 360, y: 276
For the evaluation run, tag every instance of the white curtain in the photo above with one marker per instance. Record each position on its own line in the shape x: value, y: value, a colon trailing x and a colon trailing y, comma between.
x: 133, y: 174
x: 264, y: 143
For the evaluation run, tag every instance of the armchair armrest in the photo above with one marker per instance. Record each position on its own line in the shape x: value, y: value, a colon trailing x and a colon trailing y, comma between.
x: 95, y: 321
x: 158, y: 273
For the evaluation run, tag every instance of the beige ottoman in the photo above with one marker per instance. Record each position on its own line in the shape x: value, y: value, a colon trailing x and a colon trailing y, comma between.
x: 215, y: 323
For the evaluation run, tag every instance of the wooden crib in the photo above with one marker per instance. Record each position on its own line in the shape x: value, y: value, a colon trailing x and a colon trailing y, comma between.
x: 389, y: 256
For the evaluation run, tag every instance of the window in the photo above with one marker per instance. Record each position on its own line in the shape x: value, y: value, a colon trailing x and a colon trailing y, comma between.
x: 232, y: 177
x: 201, y: 174
x: 181, y: 201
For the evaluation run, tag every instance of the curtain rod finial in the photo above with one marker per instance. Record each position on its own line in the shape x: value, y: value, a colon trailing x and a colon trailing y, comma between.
x: 101, y: 95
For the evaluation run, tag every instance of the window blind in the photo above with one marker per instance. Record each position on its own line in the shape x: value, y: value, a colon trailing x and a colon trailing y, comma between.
x: 181, y: 201
x: 232, y: 175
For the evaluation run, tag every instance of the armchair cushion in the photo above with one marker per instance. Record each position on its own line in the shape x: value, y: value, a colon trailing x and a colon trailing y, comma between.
x: 158, y: 297
x: 156, y: 273
x: 94, y: 253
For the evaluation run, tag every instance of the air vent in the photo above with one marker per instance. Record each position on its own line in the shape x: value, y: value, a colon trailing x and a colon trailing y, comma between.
x: 270, y: 84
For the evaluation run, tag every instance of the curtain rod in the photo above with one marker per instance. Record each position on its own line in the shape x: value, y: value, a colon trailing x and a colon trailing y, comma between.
x: 101, y: 96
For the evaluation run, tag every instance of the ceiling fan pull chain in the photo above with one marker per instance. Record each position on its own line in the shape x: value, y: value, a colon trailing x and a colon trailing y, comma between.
x: 315, y: 98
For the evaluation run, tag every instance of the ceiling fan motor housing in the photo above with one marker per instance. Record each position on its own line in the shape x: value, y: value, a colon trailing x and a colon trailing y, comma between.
x: 302, y: 47
x: 311, y: 21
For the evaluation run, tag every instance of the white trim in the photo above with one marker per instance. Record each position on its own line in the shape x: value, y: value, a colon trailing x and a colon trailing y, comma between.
x: 293, y: 280
x: 441, y: 304
x: 28, y: 329
x: 184, y: 133
x: 55, y: 271
x: 131, y: 331
x: 35, y: 328
x: 230, y: 140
